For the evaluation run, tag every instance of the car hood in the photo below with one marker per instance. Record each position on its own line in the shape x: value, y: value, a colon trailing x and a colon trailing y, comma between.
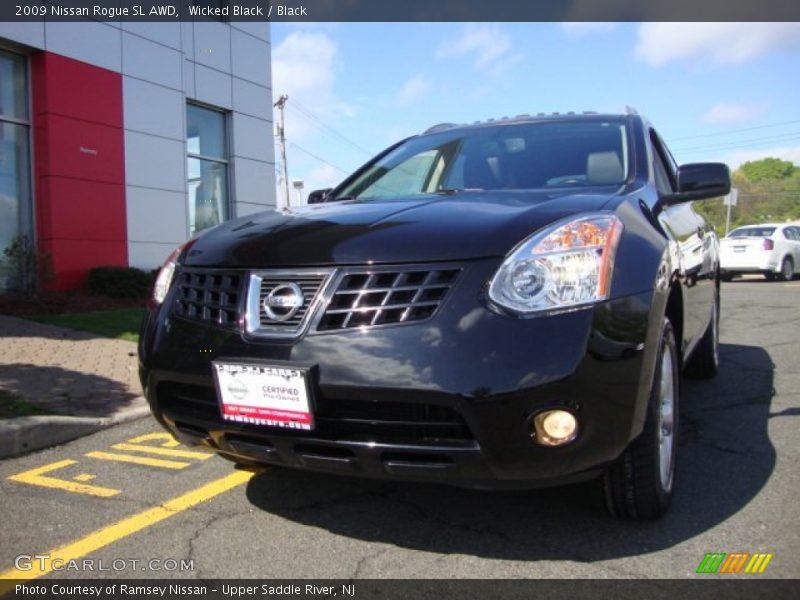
x: 427, y: 228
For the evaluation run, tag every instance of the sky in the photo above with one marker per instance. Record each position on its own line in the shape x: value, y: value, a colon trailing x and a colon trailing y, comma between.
x: 715, y: 91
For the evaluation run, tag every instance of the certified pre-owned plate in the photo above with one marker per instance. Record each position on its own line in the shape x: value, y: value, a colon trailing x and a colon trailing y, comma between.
x: 264, y: 394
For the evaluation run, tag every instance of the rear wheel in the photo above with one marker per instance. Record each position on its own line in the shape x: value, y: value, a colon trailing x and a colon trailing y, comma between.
x: 787, y: 269
x: 640, y: 482
x: 704, y: 361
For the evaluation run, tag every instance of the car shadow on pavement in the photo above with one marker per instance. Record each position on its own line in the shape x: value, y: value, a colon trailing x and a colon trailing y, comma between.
x: 725, y: 458
x: 65, y: 392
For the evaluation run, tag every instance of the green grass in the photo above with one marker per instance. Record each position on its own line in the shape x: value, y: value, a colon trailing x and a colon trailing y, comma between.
x: 120, y: 323
x: 12, y: 405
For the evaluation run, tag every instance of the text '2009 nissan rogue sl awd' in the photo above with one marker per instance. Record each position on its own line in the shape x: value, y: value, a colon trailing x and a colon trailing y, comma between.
x: 500, y: 305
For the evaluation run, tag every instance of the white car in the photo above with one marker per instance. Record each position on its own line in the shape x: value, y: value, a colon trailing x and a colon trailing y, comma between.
x: 771, y: 249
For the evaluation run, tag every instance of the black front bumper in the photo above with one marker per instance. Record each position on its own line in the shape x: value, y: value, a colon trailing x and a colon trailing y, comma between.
x: 449, y: 399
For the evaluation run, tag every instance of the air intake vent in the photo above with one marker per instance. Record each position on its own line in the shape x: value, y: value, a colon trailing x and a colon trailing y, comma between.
x: 209, y: 296
x: 373, y: 298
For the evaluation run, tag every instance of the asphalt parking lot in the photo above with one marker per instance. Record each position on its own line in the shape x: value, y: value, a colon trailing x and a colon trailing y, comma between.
x: 134, y: 504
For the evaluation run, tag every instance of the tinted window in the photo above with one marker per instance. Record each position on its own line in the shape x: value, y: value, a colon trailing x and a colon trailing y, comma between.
x: 507, y: 156
x: 752, y: 232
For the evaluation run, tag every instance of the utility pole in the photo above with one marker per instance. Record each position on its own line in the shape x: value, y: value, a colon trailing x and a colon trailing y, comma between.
x: 281, y: 103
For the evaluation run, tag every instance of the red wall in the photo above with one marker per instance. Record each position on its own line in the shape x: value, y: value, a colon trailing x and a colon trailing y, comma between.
x: 79, y: 166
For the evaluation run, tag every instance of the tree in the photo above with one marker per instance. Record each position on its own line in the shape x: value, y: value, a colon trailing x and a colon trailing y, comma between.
x: 767, y: 169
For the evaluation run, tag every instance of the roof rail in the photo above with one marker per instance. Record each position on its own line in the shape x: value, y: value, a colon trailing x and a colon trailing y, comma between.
x: 439, y: 127
x: 629, y: 110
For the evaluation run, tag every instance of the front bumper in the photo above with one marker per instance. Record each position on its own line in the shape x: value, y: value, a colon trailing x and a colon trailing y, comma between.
x: 449, y: 399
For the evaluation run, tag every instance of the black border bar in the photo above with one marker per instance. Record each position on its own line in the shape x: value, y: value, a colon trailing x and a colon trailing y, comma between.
x: 401, y: 10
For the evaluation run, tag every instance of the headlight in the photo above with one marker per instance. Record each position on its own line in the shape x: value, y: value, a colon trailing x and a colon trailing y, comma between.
x: 165, y: 275
x: 563, y: 266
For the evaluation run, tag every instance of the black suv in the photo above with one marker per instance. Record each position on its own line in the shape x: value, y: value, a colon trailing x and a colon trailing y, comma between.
x: 497, y: 305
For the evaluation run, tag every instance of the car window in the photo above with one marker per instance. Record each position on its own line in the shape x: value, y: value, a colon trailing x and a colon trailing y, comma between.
x: 663, y: 165
x: 509, y: 156
x: 752, y: 232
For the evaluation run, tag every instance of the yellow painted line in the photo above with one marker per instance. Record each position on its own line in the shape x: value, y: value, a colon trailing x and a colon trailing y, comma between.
x: 84, y: 477
x: 126, y: 527
x: 139, y: 460
x: 767, y: 558
x: 37, y: 477
x: 792, y: 285
x: 163, y: 451
x: 169, y: 441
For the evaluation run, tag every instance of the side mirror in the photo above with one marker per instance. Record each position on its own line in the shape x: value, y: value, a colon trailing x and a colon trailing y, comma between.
x: 698, y: 181
x: 319, y: 196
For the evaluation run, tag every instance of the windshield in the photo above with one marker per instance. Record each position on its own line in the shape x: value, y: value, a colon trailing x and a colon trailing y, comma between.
x: 501, y: 157
x: 752, y: 232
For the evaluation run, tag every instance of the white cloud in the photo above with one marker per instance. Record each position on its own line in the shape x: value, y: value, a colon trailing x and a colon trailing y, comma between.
x: 728, y: 112
x: 413, y: 89
x: 586, y: 28
x: 718, y: 43
x: 736, y: 158
x: 304, y: 66
x: 488, y: 45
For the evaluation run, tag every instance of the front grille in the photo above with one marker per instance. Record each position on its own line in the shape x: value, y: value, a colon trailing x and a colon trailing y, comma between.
x: 371, y: 298
x: 335, y: 419
x: 210, y: 296
x: 310, y: 282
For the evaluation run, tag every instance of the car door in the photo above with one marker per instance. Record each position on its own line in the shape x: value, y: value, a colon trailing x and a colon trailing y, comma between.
x: 695, y: 243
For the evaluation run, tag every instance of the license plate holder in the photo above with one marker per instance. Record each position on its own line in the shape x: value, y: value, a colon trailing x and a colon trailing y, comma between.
x: 266, y: 394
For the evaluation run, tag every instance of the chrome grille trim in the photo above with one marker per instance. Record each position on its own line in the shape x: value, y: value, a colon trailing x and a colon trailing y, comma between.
x: 314, y: 283
x: 385, y: 296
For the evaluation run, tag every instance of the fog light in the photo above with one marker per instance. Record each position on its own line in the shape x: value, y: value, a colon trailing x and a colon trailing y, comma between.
x: 555, y: 427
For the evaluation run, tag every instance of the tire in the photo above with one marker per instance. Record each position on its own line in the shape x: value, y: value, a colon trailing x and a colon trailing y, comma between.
x: 727, y: 277
x: 704, y: 361
x: 639, y: 484
x: 769, y: 276
x: 787, y: 269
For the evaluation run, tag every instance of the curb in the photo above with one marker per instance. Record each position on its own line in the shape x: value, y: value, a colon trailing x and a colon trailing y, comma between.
x: 22, y: 435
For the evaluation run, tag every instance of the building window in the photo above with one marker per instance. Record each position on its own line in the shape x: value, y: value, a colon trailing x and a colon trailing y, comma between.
x: 15, y: 189
x: 207, y: 167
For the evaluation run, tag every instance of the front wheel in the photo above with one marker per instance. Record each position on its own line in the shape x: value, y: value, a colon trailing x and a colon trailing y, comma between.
x: 639, y: 484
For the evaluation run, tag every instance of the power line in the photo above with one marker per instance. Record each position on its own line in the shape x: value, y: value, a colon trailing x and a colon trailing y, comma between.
x: 322, y: 160
x: 736, y: 147
x: 321, y: 125
x: 732, y: 131
x: 742, y: 143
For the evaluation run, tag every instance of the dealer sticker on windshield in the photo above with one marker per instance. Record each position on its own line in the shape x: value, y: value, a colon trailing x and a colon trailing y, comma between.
x: 264, y: 395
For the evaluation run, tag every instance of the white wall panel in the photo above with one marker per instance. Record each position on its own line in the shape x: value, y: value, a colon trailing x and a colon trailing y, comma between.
x: 212, y: 87
x: 243, y: 208
x: 252, y: 138
x: 151, y: 108
x: 154, y: 162
x: 212, y: 45
x: 151, y: 61
x: 259, y: 29
x: 254, y: 181
x: 87, y: 41
x: 251, y: 58
x: 148, y: 255
x: 252, y: 99
x: 162, y: 32
x: 30, y: 34
x: 188, y: 79
x: 156, y: 216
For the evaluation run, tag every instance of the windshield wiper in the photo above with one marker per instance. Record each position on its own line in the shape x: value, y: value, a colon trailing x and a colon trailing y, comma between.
x: 453, y: 191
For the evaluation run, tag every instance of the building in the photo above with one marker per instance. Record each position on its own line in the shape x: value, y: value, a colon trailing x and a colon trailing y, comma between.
x: 119, y: 141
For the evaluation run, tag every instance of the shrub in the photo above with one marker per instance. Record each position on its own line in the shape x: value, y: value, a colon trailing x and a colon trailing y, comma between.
x: 121, y: 282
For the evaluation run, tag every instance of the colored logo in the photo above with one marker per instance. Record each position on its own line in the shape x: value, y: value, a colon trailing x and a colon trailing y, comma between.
x: 735, y: 562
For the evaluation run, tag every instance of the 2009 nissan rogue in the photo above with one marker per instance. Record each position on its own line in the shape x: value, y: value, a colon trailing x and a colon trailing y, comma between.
x: 497, y: 305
